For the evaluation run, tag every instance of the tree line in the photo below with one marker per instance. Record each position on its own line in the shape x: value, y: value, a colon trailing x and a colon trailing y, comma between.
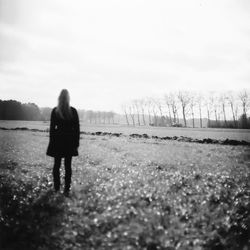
x: 190, y: 109
x: 176, y: 109
x: 14, y: 110
x: 88, y: 116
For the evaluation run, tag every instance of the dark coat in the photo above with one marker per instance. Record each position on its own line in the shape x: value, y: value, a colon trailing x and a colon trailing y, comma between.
x: 64, y: 135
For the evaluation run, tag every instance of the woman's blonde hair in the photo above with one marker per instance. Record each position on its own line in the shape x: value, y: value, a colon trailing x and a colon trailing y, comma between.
x: 63, y: 108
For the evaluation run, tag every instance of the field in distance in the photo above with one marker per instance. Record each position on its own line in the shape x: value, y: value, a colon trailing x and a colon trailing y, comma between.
x: 196, y: 133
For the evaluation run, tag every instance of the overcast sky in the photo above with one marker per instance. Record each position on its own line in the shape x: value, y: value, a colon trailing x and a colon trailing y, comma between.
x: 107, y: 52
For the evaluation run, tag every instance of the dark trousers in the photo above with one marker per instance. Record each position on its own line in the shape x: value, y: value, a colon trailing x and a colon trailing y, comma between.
x: 68, y: 172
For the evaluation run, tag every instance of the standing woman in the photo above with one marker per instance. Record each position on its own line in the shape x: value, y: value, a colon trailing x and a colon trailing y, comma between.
x: 64, y: 139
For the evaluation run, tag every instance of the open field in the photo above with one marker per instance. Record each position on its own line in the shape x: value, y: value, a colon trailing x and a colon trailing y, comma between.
x: 196, y: 133
x: 127, y: 193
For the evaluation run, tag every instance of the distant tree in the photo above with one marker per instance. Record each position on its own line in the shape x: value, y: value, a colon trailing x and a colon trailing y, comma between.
x: 132, y: 114
x: 99, y: 116
x: 82, y: 115
x: 154, y: 110
x: 223, y: 102
x: 102, y: 117
x: 142, y: 105
x: 89, y: 116
x: 208, y: 108
x: 200, y: 102
x: 192, y: 106
x: 245, y: 102
x: 110, y: 116
x: 124, y: 108
x: 244, y: 99
x: 213, y: 99
x: 167, y: 99
x: 233, y: 106
x: 136, y: 107
x: 12, y: 110
x: 45, y: 113
x: 113, y: 116
x: 184, y: 99
x: 148, y: 103
x: 244, y: 122
x: 159, y: 105
x: 173, y: 99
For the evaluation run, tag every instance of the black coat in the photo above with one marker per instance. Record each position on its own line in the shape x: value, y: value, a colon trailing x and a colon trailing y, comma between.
x: 64, y: 135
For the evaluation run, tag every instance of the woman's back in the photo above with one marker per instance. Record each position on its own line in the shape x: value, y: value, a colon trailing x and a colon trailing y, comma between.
x: 65, y: 124
x: 64, y: 134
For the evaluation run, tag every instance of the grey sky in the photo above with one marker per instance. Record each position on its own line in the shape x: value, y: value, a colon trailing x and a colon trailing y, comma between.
x: 107, y: 52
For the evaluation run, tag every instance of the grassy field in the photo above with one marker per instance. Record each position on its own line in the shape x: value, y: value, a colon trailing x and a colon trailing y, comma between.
x: 127, y: 193
x: 196, y: 133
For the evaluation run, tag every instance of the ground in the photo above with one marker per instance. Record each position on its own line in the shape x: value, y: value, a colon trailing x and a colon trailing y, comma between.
x: 127, y: 193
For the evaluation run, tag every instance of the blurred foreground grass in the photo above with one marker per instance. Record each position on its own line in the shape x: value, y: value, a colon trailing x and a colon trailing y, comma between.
x: 126, y: 194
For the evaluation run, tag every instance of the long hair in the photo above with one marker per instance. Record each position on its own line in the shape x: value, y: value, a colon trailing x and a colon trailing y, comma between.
x: 63, y: 108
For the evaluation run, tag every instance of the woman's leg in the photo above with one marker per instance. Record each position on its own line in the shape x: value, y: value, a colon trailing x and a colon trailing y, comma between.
x: 56, y: 173
x: 68, y: 173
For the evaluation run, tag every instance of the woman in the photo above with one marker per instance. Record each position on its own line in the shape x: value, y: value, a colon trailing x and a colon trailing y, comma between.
x: 64, y: 139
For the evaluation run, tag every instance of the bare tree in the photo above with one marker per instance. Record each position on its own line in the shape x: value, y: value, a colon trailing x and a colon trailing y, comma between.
x: 136, y: 105
x: 199, y: 101
x: 158, y: 104
x: 110, y: 116
x: 98, y: 116
x: 209, y: 108
x: 124, y: 108
x: 177, y: 116
x: 95, y: 116
x: 223, y: 102
x: 244, y: 98
x: 184, y: 99
x: 89, y: 115
x: 192, y: 106
x: 142, y: 106
x: 153, y: 107
x: 148, y: 103
x: 82, y: 114
x: 103, y: 116
x: 233, y: 106
x: 167, y: 99
x: 132, y: 114
x: 214, y: 103
x: 113, y: 117
x: 245, y: 102
x: 173, y: 99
